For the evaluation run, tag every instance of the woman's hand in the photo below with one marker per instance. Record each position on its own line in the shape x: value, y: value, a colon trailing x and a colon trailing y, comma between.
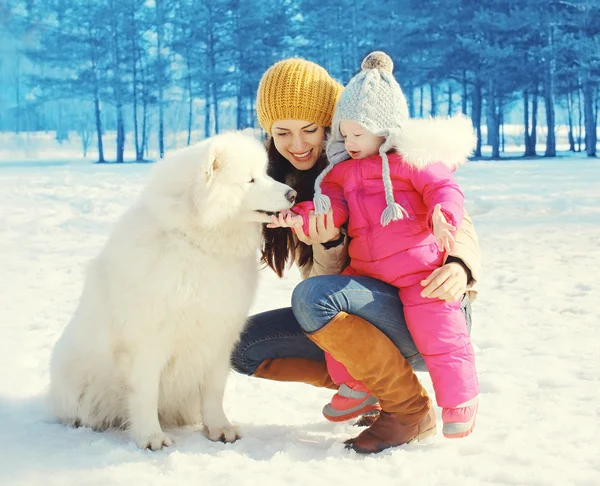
x: 320, y: 229
x: 447, y: 283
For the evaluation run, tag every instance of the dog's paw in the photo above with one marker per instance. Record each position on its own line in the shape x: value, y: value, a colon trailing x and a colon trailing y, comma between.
x: 154, y: 442
x: 229, y: 433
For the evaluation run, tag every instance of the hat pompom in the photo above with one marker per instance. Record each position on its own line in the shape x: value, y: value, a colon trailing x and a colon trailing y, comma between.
x: 378, y: 60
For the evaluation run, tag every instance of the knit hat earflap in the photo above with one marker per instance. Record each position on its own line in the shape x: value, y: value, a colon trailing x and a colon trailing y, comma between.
x: 374, y: 99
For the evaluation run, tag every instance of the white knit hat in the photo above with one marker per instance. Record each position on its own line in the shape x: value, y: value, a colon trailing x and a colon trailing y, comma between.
x: 374, y: 99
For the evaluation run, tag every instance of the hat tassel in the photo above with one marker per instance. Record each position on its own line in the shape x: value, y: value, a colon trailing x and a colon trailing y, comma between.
x: 322, y: 203
x: 393, y: 211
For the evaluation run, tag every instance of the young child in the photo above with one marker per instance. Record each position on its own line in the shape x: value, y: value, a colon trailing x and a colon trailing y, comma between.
x: 401, y: 204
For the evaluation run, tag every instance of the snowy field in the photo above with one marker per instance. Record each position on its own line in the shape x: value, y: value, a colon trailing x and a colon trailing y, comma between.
x: 536, y: 332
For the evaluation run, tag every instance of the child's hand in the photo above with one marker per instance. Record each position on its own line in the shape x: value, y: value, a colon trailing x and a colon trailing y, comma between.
x: 442, y: 230
x: 285, y: 219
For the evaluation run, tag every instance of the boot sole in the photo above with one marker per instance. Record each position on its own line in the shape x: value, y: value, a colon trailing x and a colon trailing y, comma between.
x: 418, y: 438
x: 460, y: 435
x: 457, y: 433
x: 424, y: 435
x: 355, y: 413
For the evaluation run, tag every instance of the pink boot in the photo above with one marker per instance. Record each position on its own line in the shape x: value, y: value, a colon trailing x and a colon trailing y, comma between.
x: 351, y: 400
x: 460, y: 420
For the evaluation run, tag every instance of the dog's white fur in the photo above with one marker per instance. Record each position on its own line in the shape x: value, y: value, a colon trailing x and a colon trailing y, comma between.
x: 165, y: 301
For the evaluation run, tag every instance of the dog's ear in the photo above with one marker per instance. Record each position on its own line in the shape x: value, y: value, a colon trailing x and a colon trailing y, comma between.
x: 211, y: 168
x: 214, y: 162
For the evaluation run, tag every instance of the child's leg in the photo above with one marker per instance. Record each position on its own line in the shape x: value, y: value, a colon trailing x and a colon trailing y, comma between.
x: 352, y: 399
x: 440, y: 332
x: 338, y: 372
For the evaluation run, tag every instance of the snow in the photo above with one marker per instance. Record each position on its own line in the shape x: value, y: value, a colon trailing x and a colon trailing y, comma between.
x: 535, y: 333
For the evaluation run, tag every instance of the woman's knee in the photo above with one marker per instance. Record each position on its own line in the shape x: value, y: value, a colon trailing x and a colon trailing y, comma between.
x: 311, y: 304
x: 238, y: 361
x: 244, y: 357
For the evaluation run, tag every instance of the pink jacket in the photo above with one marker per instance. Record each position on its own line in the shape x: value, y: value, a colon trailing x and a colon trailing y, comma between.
x: 356, y: 190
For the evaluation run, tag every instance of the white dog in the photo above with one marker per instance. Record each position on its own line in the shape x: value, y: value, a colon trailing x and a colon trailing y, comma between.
x: 165, y: 301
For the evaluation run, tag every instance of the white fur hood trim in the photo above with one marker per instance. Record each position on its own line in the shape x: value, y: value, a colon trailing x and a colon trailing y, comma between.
x: 450, y: 140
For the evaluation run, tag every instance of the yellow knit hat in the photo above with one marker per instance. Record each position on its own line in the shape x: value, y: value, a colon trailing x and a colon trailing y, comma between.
x: 296, y: 89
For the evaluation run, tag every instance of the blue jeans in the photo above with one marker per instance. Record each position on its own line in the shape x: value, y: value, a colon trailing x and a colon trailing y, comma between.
x: 281, y: 333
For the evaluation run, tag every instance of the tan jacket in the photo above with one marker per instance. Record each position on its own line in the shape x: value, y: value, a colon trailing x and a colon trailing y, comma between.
x: 332, y: 261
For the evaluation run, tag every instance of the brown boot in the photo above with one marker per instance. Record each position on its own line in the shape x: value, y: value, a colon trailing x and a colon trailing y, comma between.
x: 367, y: 419
x: 299, y: 370
x: 388, y: 432
x: 372, y: 358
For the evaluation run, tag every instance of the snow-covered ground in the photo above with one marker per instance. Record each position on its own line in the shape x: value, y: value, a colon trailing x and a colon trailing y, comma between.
x: 535, y: 331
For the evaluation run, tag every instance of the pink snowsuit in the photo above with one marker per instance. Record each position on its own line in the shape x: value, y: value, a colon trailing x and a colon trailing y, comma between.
x: 402, y: 254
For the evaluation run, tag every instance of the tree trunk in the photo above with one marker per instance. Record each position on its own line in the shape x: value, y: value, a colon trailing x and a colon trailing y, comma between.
x: 534, y: 120
x: 136, y: 136
x: 239, y: 109
x: 476, y: 110
x: 117, y: 80
x: 570, y: 119
x: 489, y: 121
x: 211, y: 97
x: 527, y: 137
x: 96, y: 84
x: 450, y: 103
x: 549, y: 91
x: 550, y: 117
x: 98, y: 125
x: 216, y: 106
x: 207, y: 109
x: 421, y: 94
x: 433, y: 100
x: 579, y: 117
x: 465, y: 93
x: 493, y: 121
x: 18, y: 95
x: 501, y: 127
x: 145, y: 101
x: 190, y: 119
x: 590, y: 119
x: 160, y: 77
x: 120, y: 134
x: 139, y: 155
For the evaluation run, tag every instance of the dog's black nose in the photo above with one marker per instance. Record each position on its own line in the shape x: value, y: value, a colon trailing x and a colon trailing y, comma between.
x: 291, y: 195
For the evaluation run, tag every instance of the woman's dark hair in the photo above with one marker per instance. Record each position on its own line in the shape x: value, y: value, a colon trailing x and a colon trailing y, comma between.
x: 279, y: 243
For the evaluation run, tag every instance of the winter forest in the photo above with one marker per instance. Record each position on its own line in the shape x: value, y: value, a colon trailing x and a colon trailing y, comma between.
x: 162, y: 73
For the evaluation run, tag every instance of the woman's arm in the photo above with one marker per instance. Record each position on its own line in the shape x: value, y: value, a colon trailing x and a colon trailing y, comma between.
x: 331, y: 257
x: 329, y: 245
x: 466, y: 248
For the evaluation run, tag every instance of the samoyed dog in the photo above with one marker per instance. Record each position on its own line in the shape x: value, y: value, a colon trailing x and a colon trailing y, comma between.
x: 166, y: 299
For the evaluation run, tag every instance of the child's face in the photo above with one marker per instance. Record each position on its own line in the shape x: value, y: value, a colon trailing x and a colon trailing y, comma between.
x: 359, y: 142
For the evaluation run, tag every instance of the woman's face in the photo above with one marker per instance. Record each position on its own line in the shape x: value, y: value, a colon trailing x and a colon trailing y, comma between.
x: 299, y: 141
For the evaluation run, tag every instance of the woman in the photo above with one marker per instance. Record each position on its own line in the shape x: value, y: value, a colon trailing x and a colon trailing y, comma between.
x: 358, y: 320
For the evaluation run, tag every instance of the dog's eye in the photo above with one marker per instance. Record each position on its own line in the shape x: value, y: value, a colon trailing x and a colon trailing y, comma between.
x: 251, y: 181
